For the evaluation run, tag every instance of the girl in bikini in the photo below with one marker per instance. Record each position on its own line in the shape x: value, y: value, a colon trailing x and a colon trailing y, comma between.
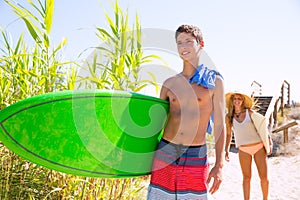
x: 251, y: 138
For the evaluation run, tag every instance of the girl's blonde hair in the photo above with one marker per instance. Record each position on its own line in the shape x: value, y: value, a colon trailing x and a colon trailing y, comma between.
x: 248, y: 103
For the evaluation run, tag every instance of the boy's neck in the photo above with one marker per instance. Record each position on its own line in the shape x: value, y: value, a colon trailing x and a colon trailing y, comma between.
x: 189, y: 69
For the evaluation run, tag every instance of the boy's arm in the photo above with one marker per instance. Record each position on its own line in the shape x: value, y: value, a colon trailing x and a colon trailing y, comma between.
x: 219, y: 134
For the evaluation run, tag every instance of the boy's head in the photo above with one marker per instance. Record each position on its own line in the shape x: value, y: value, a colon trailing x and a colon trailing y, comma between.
x: 194, y: 30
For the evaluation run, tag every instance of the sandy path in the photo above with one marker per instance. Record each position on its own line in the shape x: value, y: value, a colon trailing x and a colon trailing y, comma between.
x: 284, y: 172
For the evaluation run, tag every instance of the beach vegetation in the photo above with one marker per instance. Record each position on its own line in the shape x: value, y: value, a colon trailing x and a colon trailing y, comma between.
x: 31, y: 69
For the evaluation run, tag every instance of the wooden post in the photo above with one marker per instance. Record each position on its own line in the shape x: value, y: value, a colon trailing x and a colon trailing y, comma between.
x: 275, y: 113
x: 288, y: 93
x: 285, y: 136
x: 285, y: 129
x: 282, y: 100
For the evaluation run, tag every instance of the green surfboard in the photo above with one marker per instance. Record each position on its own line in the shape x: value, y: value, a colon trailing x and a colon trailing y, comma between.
x: 95, y: 133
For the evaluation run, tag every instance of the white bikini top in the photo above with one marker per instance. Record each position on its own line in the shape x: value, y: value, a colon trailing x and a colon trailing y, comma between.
x: 245, y: 132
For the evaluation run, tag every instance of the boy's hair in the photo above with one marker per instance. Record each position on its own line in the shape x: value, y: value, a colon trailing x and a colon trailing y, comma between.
x: 194, y: 30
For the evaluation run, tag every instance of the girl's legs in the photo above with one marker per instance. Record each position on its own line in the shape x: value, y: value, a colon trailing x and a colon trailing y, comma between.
x: 246, y: 162
x: 260, y: 159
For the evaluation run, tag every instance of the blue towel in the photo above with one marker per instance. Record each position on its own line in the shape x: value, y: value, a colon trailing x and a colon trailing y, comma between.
x: 206, y: 77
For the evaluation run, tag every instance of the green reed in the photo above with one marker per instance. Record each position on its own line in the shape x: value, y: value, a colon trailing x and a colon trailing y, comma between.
x: 116, y: 64
x: 31, y: 70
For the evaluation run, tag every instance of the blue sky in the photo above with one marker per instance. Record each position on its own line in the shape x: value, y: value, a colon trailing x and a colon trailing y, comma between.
x: 246, y: 40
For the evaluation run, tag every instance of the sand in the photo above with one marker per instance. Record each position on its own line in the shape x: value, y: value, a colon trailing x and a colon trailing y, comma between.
x: 284, y: 172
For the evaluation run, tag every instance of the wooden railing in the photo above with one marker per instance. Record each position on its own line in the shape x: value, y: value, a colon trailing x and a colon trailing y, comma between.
x: 256, y: 88
x: 285, y: 86
x: 285, y: 128
x: 274, y: 107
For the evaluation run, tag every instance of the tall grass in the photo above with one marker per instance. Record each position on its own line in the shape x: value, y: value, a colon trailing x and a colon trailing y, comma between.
x: 31, y: 70
x: 120, y: 57
x: 24, y: 180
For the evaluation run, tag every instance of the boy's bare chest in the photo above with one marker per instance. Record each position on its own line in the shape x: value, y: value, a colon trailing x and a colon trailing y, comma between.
x: 183, y: 92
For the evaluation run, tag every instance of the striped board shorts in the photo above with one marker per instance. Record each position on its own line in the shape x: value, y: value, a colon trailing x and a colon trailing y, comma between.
x: 179, y: 172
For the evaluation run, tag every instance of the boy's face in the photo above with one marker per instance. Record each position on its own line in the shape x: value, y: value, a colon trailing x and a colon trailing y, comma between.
x: 187, y: 46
